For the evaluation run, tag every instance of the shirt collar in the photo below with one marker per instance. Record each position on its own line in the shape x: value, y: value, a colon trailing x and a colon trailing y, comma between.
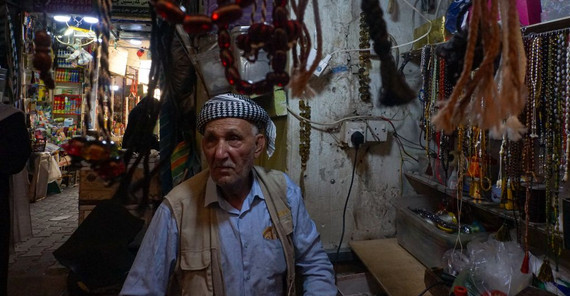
x: 212, y: 195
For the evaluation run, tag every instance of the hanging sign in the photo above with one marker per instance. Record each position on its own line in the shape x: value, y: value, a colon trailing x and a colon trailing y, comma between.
x: 131, y: 8
x: 118, y: 61
x: 82, y: 7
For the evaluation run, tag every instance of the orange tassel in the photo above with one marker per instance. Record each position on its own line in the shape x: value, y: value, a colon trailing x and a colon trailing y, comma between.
x: 525, y: 264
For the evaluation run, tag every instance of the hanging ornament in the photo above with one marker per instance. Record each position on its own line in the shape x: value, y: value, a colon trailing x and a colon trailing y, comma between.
x: 477, y: 98
x: 42, y: 60
x: 395, y: 90
x: 103, y: 157
x: 275, y: 39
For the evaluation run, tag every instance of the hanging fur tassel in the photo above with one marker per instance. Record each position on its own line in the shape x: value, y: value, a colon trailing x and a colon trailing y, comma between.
x: 545, y: 273
x: 525, y: 264
x: 395, y: 91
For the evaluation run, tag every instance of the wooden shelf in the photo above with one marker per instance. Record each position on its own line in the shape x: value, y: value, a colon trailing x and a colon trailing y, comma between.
x: 396, y: 270
x: 429, y: 187
x: 558, y: 24
x: 65, y: 114
x: 68, y: 83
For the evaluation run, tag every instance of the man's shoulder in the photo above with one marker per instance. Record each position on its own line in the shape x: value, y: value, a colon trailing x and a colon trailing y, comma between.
x: 193, y: 185
x: 269, y: 172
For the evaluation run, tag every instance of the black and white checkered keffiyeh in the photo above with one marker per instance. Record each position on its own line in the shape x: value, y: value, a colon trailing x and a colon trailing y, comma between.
x: 237, y: 106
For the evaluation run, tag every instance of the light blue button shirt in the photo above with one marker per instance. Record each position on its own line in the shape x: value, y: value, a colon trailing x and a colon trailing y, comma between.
x: 251, y: 263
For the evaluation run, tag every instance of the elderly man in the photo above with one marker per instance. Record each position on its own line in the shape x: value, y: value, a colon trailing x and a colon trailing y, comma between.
x: 234, y: 228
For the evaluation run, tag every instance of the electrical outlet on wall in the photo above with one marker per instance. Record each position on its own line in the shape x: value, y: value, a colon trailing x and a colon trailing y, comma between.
x: 376, y: 131
x: 350, y: 127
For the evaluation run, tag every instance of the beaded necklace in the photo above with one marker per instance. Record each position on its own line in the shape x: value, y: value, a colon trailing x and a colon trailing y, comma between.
x: 276, y: 39
x: 304, y: 140
x: 567, y: 111
x: 460, y: 164
x: 429, y: 104
x: 559, y: 88
x: 546, y: 158
x: 535, y: 84
x: 364, y: 61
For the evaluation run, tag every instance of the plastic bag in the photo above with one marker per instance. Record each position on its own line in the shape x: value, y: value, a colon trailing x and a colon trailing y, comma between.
x: 453, y: 262
x: 54, y: 173
x: 495, y: 266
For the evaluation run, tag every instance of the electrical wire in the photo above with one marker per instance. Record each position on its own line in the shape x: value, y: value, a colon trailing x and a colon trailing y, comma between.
x: 431, y: 286
x: 403, y: 44
x: 396, y: 136
x: 346, y: 203
x: 337, y: 122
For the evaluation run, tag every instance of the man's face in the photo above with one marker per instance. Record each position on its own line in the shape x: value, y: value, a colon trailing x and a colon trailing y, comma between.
x: 230, y: 146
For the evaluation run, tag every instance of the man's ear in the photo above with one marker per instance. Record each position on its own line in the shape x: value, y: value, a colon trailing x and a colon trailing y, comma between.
x: 259, y: 144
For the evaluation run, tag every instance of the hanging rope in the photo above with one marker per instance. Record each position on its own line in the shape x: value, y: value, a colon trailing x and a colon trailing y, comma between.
x: 102, y: 66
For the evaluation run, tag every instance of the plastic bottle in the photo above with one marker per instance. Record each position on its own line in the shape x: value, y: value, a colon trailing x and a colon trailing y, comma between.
x: 459, y: 291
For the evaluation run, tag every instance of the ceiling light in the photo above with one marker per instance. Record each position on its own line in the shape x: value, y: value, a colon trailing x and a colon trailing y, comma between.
x: 91, y: 20
x: 135, y: 42
x: 61, y: 18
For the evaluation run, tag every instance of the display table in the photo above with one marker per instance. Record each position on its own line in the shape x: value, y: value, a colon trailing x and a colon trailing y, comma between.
x: 397, y: 272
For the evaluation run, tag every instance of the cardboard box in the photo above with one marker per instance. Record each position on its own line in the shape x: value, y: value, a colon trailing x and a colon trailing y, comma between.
x: 93, y: 188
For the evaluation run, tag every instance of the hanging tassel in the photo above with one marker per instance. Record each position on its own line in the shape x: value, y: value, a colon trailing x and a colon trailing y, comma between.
x: 475, y: 190
x: 545, y: 273
x: 429, y: 169
x: 503, y: 234
x: 395, y: 91
x: 509, y: 205
x: 504, y: 197
x: 524, y: 267
x: 525, y: 264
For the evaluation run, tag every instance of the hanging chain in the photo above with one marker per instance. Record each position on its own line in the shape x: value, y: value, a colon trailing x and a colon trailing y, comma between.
x: 364, y: 63
x: 304, y: 140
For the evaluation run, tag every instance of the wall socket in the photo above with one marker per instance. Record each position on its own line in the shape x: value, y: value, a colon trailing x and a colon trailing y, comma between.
x: 373, y: 130
x: 350, y: 127
x: 376, y: 131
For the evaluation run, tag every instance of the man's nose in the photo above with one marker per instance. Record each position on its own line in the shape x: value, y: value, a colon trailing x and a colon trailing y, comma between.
x: 221, y: 149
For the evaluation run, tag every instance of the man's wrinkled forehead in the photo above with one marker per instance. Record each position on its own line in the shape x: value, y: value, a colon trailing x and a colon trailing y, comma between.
x: 229, y: 124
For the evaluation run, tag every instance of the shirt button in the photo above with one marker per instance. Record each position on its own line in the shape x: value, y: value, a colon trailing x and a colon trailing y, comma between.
x: 245, y: 246
x: 247, y: 277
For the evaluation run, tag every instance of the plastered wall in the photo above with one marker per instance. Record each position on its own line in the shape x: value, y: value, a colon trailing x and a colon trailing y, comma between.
x: 378, y: 181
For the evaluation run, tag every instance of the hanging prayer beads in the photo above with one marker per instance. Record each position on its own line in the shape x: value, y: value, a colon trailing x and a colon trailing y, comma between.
x: 304, y: 140
x: 275, y: 39
x: 364, y: 61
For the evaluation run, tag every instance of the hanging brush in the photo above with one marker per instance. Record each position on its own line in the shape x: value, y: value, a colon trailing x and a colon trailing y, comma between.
x: 545, y: 273
x: 503, y: 234
x: 395, y: 91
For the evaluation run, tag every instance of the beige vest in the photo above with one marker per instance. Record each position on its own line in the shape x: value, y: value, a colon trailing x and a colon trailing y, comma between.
x: 198, y: 268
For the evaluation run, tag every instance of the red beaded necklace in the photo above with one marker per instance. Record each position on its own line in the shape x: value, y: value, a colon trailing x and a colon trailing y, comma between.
x: 274, y: 38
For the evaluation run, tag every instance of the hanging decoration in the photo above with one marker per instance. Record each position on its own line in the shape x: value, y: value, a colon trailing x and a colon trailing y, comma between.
x: 275, y: 39
x: 522, y: 95
x: 304, y: 140
x: 395, y: 90
x: 78, y: 56
x: 101, y: 153
x: 472, y: 100
x: 42, y: 60
x: 364, y: 64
